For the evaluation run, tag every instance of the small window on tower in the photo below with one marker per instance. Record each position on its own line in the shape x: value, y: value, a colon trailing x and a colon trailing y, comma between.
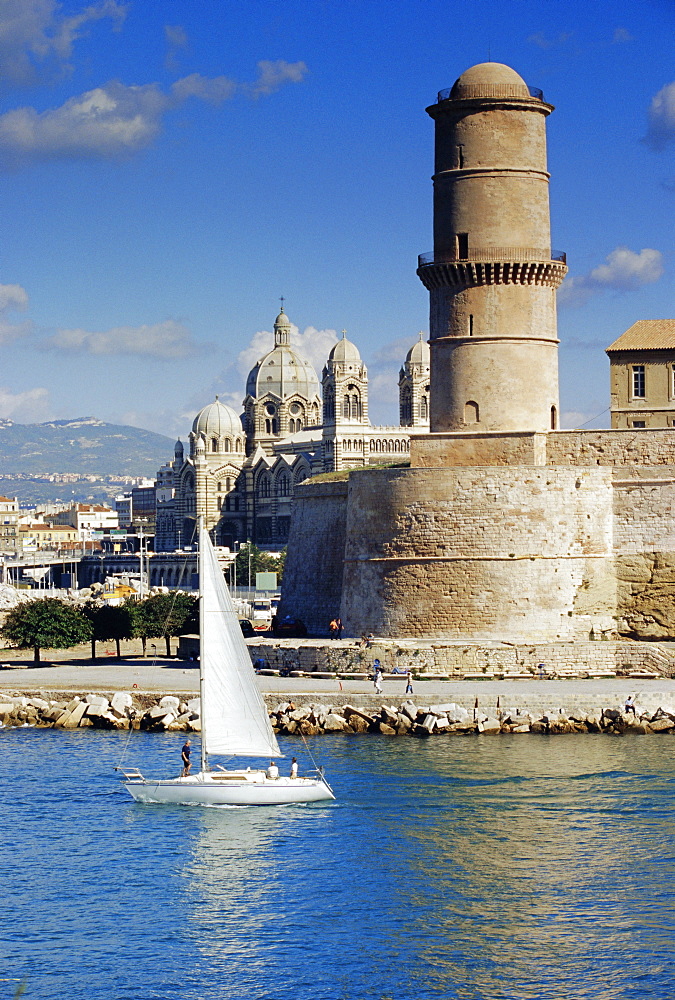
x: 462, y: 246
x: 471, y: 412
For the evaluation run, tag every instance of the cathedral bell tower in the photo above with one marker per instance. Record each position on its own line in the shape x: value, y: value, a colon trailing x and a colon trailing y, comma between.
x: 491, y: 276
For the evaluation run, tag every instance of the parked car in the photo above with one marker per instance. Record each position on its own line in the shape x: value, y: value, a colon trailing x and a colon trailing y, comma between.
x: 247, y: 629
x: 289, y: 627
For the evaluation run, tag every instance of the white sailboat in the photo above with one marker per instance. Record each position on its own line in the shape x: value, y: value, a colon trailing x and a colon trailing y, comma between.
x: 234, y: 719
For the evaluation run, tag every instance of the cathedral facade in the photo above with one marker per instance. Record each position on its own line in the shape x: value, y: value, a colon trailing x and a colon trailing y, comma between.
x: 240, y: 472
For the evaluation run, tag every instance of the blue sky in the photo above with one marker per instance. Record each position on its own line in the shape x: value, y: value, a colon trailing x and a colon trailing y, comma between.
x: 170, y: 169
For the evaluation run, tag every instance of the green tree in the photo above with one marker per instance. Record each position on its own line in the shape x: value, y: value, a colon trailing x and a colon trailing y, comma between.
x: 162, y: 616
x: 261, y: 562
x: 109, y: 621
x: 46, y: 624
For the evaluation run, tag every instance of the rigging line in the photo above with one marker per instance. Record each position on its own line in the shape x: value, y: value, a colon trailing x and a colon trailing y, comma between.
x: 606, y: 410
x: 125, y: 748
x: 311, y: 757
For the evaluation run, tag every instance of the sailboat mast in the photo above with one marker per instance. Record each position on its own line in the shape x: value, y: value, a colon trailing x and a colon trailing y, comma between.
x: 200, y: 571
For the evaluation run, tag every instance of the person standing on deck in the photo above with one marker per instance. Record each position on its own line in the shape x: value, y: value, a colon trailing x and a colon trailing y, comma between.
x: 185, y: 755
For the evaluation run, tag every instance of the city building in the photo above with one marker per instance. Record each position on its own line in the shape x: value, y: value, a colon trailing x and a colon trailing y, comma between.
x: 86, y: 518
x: 241, y: 472
x: 38, y: 535
x: 504, y: 528
x: 9, y: 525
x: 642, y: 375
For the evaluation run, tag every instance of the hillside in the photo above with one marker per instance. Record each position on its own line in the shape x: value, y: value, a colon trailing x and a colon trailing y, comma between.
x: 84, y: 445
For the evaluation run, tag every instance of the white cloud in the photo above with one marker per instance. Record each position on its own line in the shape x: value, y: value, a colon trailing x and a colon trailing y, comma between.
x: 12, y: 298
x: 115, y: 120
x: 626, y: 270
x: 539, y: 39
x: 273, y: 75
x: 214, y: 91
x: 623, y: 270
x: 29, y: 407
x: 176, y: 39
x: 166, y: 341
x: 36, y: 39
x: 661, y: 128
x: 621, y: 35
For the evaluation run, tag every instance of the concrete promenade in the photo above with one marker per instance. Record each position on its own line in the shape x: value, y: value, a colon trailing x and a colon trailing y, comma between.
x: 72, y: 672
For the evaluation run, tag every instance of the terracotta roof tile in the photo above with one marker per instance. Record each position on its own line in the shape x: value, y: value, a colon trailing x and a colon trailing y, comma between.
x: 646, y: 335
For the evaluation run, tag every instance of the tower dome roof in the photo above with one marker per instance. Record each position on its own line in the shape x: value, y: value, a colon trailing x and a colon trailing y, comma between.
x: 419, y: 353
x: 479, y: 80
x: 344, y: 350
x: 217, y: 419
x: 282, y: 371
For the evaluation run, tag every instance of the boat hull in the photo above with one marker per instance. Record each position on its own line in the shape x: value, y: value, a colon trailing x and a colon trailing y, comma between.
x: 229, y: 790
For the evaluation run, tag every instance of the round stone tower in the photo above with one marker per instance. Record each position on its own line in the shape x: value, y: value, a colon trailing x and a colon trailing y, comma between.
x: 492, y: 276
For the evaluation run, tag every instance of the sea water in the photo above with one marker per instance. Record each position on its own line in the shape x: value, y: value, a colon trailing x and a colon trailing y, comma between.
x: 520, y: 866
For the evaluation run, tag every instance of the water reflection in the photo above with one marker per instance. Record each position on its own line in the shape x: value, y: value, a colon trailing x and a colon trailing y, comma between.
x: 463, y: 868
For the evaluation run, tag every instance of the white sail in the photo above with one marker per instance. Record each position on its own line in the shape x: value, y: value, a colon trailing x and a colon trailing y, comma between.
x: 234, y: 716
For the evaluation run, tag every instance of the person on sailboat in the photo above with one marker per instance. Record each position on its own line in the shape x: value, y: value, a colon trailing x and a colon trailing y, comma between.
x: 272, y: 770
x: 185, y: 754
x: 294, y: 768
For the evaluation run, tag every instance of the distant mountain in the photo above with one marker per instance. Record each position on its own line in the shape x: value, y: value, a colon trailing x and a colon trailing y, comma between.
x: 83, y: 445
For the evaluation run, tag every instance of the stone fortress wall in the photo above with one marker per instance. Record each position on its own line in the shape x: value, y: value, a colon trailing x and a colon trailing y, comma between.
x: 536, y: 553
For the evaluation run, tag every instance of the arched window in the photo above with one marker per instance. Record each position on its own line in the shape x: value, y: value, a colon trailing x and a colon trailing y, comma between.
x: 471, y: 415
x: 406, y: 406
x: 264, y: 487
x: 284, y: 486
x: 554, y: 418
x: 268, y: 426
x: 329, y: 404
x: 214, y: 444
x: 424, y: 407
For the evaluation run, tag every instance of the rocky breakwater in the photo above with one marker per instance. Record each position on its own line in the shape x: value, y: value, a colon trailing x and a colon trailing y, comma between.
x: 424, y: 721
x: 120, y: 711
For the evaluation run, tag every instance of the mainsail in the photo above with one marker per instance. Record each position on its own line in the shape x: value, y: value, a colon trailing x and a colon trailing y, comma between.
x: 234, y: 716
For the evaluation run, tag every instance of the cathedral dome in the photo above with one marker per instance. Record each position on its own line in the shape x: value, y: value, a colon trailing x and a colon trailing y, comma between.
x: 487, y: 80
x: 282, y: 319
x: 344, y: 350
x: 217, y: 420
x: 419, y: 353
x: 282, y: 371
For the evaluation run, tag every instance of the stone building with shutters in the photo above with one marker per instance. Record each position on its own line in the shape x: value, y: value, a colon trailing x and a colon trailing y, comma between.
x: 241, y: 472
x: 642, y: 375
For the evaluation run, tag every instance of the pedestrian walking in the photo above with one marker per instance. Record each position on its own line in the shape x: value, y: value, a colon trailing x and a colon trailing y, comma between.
x: 378, y: 679
x: 408, y: 687
x: 333, y: 628
x: 338, y: 625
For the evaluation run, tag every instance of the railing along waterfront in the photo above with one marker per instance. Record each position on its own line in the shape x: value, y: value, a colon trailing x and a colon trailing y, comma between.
x: 469, y: 91
x: 490, y: 254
